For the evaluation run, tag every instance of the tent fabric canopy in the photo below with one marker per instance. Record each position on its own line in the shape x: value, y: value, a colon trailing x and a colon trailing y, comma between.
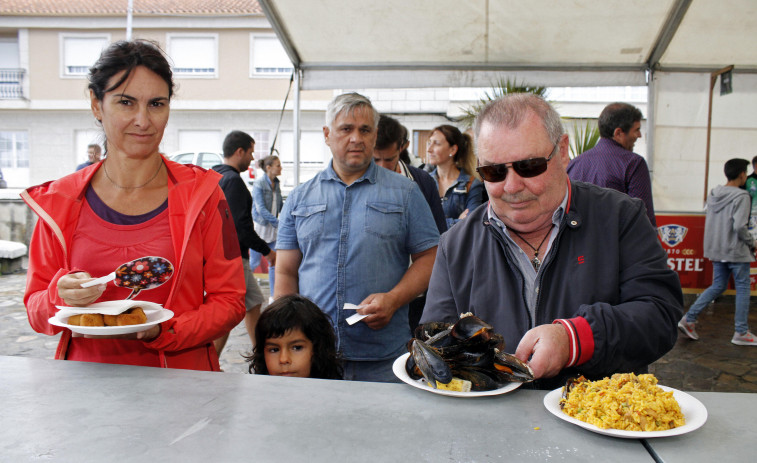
x: 670, y: 46
x: 401, y: 43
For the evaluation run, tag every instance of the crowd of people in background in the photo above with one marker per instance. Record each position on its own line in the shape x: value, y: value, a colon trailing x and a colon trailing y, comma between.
x: 509, y: 228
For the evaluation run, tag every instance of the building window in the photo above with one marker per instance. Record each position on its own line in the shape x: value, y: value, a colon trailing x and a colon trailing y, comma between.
x: 80, y: 52
x: 11, y: 74
x: 14, y: 150
x: 268, y: 57
x: 262, y: 144
x: 194, y: 55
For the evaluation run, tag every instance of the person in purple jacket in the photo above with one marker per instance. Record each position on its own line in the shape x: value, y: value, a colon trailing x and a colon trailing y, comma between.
x: 612, y: 163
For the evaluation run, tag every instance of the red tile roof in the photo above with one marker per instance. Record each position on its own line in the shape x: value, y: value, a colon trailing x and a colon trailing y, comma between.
x: 118, y: 7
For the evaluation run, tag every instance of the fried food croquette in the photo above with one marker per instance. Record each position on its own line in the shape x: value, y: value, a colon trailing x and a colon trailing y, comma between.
x: 135, y: 316
x: 140, y: 313
x: 92, y: 319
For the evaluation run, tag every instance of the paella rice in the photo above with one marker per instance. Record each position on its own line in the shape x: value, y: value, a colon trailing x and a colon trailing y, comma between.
x: 625, y: 401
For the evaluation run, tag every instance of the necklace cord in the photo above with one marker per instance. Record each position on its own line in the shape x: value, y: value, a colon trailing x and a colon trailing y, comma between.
x: 535, y: 261
x: 105, y: 169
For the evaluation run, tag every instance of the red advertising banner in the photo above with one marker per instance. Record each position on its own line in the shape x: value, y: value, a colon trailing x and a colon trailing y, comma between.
x: 682, y: 236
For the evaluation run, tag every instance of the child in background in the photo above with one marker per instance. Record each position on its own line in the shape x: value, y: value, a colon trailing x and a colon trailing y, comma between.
x: 293, y: 337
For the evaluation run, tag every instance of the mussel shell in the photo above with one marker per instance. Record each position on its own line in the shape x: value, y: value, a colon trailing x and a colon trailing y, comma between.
x: 429, y: 329
x: 470, y: 359
x: 570, y: 384
x: 512, y: 366
x: 442, y: 339
x: 412, y: 369
x: 497, y: 341
x: 470, y: 327
x: 431, y: 365
x: 475, y: 344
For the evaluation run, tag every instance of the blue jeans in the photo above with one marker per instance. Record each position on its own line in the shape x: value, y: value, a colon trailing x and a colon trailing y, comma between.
x: 721, y: 272
x: 255, y: 259
x: 379, y: 371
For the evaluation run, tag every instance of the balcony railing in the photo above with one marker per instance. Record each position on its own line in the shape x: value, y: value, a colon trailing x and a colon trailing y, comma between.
x: 11, y: 84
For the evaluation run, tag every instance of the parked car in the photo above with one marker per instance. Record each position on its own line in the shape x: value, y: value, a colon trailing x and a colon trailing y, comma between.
x: 207, y: 160
x: 204, y: 159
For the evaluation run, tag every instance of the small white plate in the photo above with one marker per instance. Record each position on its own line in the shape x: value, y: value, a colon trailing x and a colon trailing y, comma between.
x: 399, y: 371
x: 694, y: 412
x: 153, y: 318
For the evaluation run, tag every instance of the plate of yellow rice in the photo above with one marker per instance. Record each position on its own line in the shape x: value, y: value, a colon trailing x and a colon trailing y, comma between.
x: 628, y: 406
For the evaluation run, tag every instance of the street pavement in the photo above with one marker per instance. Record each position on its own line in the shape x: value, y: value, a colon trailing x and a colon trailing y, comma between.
x: 710, y: 364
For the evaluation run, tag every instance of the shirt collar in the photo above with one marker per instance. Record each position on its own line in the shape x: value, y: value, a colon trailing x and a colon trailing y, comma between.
x: 369, y: 174
x: 556, y: 216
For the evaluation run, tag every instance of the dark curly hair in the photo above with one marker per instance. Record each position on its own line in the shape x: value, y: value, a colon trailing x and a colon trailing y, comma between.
x: 297, y: 312
x: 126, y: 56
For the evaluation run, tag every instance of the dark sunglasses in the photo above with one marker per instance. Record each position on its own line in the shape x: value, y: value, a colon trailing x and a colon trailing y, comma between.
x: 526, y: 168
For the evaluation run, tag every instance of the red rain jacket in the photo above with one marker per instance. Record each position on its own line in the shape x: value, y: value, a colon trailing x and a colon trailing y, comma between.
x: 206, y: 303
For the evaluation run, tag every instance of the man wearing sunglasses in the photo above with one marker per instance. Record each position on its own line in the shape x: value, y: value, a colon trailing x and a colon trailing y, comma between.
x: 572, y: 275
x: 612, y: 162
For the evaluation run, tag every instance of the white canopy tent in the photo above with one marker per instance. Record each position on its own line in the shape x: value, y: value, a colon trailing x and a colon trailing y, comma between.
x: 670, y: 45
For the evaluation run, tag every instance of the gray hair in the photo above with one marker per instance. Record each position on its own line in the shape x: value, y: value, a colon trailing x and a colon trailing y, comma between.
x: 510, y: 111
x: 349, y: 102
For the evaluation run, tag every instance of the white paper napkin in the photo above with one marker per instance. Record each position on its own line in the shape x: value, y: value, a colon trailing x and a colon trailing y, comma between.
x: 352, y: 319
x: 106, y: 279
x: 108, y: 307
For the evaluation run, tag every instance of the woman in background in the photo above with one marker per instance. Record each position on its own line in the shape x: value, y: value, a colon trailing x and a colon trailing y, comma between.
x: 266, y: 205
x: 459, y: 186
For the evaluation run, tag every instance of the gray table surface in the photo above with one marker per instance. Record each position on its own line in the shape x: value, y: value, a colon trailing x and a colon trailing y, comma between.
x: 730, y: 433
x: 72, y: 411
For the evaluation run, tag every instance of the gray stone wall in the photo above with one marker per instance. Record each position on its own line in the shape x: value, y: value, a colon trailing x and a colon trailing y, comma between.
x: 16, y: 219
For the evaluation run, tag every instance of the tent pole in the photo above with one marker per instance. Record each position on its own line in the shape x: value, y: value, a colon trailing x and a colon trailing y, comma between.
x: 296, y: 126
x: 713, y: 79
x: 651, y: 120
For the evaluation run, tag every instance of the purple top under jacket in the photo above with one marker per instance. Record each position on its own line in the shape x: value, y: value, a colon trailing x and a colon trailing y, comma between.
x: 609, y: 165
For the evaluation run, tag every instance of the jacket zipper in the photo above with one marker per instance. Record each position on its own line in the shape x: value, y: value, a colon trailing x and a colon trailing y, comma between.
x: 506, y: 250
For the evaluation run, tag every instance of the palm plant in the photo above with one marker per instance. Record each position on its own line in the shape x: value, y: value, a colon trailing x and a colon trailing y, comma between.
x: 583, y: 138
x: 499, y: 89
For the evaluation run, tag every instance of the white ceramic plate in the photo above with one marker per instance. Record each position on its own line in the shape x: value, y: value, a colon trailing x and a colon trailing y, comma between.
x: 153, y: 318
x: 399, y: 370
x: 694, y: 412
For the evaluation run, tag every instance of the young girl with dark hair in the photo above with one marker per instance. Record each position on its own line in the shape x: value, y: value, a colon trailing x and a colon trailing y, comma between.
x: 294, y: 338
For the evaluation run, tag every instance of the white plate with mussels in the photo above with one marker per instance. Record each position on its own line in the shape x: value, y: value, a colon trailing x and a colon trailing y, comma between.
x: 399, y: 371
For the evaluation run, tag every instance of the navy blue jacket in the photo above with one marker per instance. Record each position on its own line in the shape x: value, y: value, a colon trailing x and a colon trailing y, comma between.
x: 606, y: 265
x: 240, y: 203
x: 431, y: 193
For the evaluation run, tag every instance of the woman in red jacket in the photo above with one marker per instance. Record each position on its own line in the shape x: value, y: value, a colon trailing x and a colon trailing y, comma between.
x: 164, y: 225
